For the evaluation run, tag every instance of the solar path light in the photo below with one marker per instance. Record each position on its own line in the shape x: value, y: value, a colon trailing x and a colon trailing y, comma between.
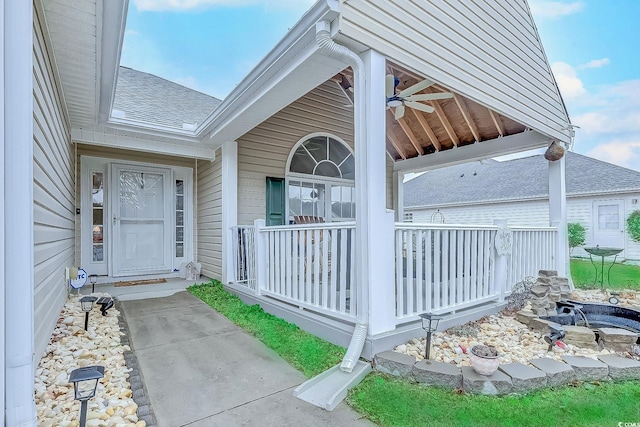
x: 87, y: 305
x: 85, y: 381
x: 93, y: 279
x: 430, y: 325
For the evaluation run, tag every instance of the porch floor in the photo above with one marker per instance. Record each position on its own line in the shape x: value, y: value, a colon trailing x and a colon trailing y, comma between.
x: 136, y: 292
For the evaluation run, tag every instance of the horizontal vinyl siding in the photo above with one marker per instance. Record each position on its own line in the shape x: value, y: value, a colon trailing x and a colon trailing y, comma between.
x: 209, y: 216
x: 53, y: 193
x: 487, y: 50
x: 263, y: 151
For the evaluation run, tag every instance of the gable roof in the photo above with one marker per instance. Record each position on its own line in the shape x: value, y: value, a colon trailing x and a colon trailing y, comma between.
x: 146, y: 98
x: 526, y: 178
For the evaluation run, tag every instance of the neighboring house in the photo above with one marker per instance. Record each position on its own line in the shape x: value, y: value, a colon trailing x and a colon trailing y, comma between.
x: 600, y: 196
x: 131, y: 176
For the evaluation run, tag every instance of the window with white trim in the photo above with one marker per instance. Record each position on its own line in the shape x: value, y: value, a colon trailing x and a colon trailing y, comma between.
x: 321, y: 180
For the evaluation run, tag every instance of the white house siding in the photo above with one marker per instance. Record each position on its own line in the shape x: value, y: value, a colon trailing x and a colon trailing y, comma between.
x: 53, y: 191
x: 487, y: 50
x: 119, y: 154
x: 209, y: 216
x: 263, y: 152
x: 535, y: 213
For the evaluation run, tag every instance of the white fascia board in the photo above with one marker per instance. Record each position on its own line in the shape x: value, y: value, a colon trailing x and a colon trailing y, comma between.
x: 274, y: 65
x: 110, y: 27
x: 151, y: 128
x: 524, y: 141
x: 182, y: 149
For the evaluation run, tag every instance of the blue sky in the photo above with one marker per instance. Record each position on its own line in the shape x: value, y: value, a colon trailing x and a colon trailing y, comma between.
x: 592, y: 45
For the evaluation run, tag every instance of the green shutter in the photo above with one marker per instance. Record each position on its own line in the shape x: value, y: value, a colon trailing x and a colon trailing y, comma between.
x: 276, y: 214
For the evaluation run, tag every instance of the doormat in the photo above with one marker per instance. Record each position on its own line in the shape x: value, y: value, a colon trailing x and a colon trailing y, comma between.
x: 140, y: 282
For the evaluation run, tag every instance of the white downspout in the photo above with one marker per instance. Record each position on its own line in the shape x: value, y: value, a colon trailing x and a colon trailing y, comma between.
x: 331, y: 48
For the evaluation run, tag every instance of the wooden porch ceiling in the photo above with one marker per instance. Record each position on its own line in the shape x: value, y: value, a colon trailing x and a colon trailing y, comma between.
x: 458, y: 121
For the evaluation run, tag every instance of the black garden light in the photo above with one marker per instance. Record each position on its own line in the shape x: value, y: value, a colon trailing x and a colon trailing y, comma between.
x: 87, y: 305
x: 85, y: 381
x: 430, y: 325
x: 93, y: 279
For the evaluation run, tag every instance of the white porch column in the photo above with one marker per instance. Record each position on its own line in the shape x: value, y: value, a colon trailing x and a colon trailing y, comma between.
x: 18, y: 279
x: 374, y: 224
x: 558, y: 214
x: 229, y: 206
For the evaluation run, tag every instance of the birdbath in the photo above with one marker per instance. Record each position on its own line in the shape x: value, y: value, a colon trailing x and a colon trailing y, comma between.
x: 602, y: 252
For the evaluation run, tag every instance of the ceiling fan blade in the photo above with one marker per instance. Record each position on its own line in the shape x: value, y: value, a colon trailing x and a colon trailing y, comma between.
x: 390, y: 85
x: 419, y: 106
x: 399, y: 112
x: 428, y: 96
x: 416, y: 88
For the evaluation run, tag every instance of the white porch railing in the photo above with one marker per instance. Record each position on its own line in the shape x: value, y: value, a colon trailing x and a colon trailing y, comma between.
x: 438, y: 267
x: 311, y: 266
x: 244, y: 255
x: 533, y: 249
x: 442, y: 268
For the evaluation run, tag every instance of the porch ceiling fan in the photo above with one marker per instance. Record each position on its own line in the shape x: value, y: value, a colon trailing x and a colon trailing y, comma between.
x: 409, y: 96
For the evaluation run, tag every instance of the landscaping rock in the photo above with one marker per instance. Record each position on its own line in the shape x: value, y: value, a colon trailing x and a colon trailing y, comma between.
x: 542, y: 325
x: 580, y: 336
x: 587, y: 369
x: 438, y: 374
x: 616, y: 339
x: 524, y: 378
x: 497, y: 383
x: 525, y: 316
x: 539, y: 290
x: 621, y: 368
x: 558, y: 373
x: 394, y: 363
x: 547, y: 273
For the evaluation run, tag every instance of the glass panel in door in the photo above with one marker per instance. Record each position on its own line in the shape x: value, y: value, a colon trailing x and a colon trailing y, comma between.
x: 141, y: 220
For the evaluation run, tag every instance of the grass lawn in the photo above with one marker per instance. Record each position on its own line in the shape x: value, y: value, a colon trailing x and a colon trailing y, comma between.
x: 622, y: 276
x: 389, y: 401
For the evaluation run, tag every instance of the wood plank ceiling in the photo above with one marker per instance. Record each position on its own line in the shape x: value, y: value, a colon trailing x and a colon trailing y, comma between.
x: 455, y: 122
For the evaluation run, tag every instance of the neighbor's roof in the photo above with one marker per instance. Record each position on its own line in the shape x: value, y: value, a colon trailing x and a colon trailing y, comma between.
x: 525, y: 178
x: 146, y: 98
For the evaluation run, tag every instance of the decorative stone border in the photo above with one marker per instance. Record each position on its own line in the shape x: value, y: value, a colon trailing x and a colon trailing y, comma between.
x: 511, y: 377
x: 140, y: 395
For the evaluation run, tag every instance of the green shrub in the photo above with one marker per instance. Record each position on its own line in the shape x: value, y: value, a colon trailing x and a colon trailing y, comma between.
x: 577, y: 235
x: 633, y: 225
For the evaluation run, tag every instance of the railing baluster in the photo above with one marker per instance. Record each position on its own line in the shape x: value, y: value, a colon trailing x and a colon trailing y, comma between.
x: 333, y: 297
x: 343, y: 274
x: 419, y: 283
x: 399, y: 274
x: 410, y: 279
x: 428, y: 261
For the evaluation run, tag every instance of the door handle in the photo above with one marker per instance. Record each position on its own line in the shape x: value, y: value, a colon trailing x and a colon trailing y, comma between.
x: 114, y: 220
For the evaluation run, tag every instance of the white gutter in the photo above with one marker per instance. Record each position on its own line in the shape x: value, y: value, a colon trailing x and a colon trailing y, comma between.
x: 329, y: 47
x: 18, y: 280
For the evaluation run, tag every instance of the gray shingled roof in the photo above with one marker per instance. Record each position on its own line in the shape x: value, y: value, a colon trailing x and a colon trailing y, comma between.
x: 144, y: 97
x: 525, y: 178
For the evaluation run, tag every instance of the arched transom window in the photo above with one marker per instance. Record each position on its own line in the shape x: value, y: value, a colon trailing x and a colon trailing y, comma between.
x: 321, y: 184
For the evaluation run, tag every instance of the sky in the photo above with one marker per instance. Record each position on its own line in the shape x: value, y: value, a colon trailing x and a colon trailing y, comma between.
x: 592, y: 46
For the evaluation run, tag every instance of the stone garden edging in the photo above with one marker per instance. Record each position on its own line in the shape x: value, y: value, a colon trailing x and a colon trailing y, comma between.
x: 511, y: 377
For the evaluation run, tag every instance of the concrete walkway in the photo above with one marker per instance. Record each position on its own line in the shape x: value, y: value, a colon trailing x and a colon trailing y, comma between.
x: 202, y: 370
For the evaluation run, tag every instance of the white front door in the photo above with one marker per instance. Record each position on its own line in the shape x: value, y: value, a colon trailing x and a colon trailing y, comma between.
x: 141, y: 219
x: 608, y: 223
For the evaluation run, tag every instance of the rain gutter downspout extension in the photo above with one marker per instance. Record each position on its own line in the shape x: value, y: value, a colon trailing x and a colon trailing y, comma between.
x: 333, y: 49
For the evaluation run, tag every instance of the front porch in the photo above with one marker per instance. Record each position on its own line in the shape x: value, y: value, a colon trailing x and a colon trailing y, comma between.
x: 306, y: 274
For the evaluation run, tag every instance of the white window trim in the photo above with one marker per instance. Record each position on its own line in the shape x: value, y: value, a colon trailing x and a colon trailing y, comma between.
x: 316, y: 179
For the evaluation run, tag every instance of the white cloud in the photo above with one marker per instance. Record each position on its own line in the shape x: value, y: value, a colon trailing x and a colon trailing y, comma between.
x: 555, y: 9
x: 187, y: 5
x: 619, y: 152
x: 596, y: 63
x: 570, y: 85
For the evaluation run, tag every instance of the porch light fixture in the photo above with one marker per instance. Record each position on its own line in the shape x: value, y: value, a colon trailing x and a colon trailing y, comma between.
x: 93, y: 279
x: 85, y: 381
x: 430, y: 325
x: 87, y: 305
